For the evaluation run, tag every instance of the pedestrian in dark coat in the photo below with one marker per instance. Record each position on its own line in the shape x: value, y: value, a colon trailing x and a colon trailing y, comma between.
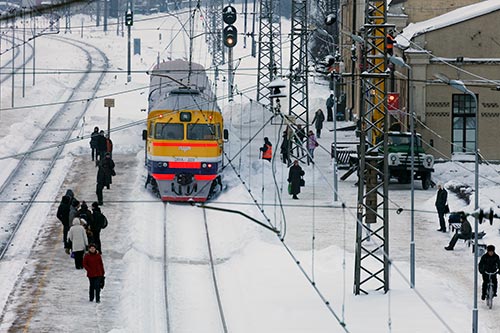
x: 86, y: 215
x: 96, y: 225
x: 441, y: 203
x: 285, y: 148
x: 79, y: 241
x: 330, y: 102
x: 101, y: 146
x: 93, y: 142
x: 73, y: 210
x: 104, y: 173
x: 300, y: 135
x: 464, y: 233
x: 63, y: 216
x: 266, y: 149
x: 319, y: 118
x: 295, y: 174
x: 92, y: 262
x: 490, y: 262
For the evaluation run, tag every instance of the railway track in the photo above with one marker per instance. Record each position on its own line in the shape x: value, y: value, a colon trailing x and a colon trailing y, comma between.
x: 29, y: 173
x: 192, y: 296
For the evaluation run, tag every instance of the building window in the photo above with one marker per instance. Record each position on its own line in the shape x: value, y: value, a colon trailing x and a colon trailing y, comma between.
x: 463, y: 123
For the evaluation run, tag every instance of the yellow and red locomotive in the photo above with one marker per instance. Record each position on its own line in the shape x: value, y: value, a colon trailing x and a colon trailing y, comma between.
x: 185, y: 133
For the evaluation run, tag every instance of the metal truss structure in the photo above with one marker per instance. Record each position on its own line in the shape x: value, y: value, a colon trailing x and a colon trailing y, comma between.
x: 298, y: 94
x: 269, y: 66
x: 214, y: 32
x: 372, y: 228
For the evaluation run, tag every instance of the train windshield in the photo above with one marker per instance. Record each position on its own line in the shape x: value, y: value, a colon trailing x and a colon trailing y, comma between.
x: 169, y: 131
x: 202, y: 132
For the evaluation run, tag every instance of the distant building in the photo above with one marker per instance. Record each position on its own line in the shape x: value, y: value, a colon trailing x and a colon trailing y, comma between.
x: 464, y: 45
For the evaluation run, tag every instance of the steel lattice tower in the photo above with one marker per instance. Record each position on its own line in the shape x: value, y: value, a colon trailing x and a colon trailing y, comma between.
x: 298, y: 94
x: 372, y: 229
x: 269, y: 66
x: 214, y: 32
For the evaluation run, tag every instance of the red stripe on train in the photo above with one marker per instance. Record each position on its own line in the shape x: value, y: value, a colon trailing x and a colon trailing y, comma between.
x: 177, y: 144
x: 204, y: 177
x: 162, y: 176
x: 184, y: 165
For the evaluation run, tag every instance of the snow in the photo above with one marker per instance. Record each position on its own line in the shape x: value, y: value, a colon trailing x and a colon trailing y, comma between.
x: 263, y: 288
x: 455, y: 16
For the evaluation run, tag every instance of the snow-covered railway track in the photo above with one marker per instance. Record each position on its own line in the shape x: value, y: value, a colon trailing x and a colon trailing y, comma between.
x: 192, y: 294
x: 29, y: 173
x: 6, y: 69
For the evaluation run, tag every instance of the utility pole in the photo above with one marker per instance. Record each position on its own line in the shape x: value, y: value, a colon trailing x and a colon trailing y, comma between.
x: 24, y: 50
x: 129, y: 21
x: 98, y: 13
x: 105, y: 23
x: 13, y: 57
x: 34, y: 44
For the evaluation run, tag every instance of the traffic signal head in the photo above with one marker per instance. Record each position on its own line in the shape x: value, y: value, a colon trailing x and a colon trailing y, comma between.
x: 229, y: 14
x: 129, y: 18
x: 230, y: 35
x: 393, y: 101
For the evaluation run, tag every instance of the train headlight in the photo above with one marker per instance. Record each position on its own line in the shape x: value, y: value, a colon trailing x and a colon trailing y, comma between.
x: 204, y: 165
x: 163, y: 164
x: 209, y: 165
x: 428, y: 161
x: 393, y: 159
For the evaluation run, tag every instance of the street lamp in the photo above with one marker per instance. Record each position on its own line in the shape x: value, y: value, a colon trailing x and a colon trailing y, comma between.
x: 398, y: 61
x: 460, y: 86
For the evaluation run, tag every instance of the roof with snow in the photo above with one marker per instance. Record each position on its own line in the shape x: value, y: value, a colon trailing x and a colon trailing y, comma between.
x: 456, y: 16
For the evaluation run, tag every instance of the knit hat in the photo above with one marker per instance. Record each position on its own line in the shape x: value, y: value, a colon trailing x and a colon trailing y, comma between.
x: 490, y: 248
x: 95, y: 204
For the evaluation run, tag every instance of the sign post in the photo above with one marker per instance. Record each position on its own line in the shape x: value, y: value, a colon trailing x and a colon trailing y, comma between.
x: 109, y: 103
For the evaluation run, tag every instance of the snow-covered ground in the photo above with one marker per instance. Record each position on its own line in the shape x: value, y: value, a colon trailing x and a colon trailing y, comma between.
x: 263, y: 289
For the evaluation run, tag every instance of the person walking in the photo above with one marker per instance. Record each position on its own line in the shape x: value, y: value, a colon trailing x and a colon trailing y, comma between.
x: 299, y: 136
x: 73, y: 210
x: 92, y: 262
x: 295, y: 174
x: 312, y: 143
x: 79, y: 241
x: 101, y: 147
x: 109, y: 146
x: 285, y: 148
x: 330, y: 102
x: 266, y: 150
x: 63, y: 216
x: 96, y: 225
x: 489, y: 263
x: 319, y: 118
x: 104, y: 175
x: 464, y: 233
x: 441, y: 206
x: 93, y: 142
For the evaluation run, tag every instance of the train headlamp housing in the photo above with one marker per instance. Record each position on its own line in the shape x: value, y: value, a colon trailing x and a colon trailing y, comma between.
x: 185, y: 116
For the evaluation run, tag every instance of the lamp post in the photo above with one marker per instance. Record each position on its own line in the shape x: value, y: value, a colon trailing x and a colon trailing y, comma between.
x: 400, y: 62
x: 460, y: 86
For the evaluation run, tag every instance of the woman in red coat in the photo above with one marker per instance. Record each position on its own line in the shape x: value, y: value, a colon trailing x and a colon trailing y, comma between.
x: 92, y: 262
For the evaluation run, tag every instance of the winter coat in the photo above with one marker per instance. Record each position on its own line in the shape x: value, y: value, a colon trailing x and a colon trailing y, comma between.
x: 106, y: 171
x: 285, y: 145
x: 97, y: 220
x: 466, y: 230
x: 311, y: 142
x: 489, y: 263
x: 73, y: 210
x: 63, y: 211
x: 92, y: 262
x: 330, y: 102
x: 101, y: 142
x: 94, y: 139
x: 78, y: 236
x: 319, y: 118
x: 85, y: 213
x: 441, y: 199
x: 300, y: 134
x: 294, y: 175
x: 267, y: 150
x: 109, y: 146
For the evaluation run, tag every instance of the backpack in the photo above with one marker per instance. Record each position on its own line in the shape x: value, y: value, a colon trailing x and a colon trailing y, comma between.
x: 104, y: 222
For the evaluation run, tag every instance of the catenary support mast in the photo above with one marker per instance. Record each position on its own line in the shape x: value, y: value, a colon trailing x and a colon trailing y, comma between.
x: 372, y: 229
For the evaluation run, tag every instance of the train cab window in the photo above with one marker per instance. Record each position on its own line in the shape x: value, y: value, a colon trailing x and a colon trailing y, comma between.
x: 201, y: 132
x: 169, y: 131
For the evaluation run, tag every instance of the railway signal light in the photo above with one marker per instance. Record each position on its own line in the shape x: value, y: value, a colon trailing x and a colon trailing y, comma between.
x: 129, y: 18
x: 230, y: 33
